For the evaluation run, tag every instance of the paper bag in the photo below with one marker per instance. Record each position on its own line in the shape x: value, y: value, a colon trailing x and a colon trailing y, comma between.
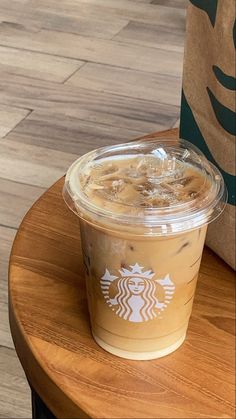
x: 208, y: 111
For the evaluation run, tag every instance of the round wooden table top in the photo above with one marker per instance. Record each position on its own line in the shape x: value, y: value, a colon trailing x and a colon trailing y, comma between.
x: 71, y: 373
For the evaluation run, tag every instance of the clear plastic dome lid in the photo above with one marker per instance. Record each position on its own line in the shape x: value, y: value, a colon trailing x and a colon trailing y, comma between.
x: 164, y: 185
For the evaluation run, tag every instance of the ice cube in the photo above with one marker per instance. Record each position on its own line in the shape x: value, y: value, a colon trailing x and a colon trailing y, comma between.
x: 118, y: 185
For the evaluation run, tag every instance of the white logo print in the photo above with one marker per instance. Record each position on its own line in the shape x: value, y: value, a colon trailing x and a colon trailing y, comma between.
x: 136, y: 291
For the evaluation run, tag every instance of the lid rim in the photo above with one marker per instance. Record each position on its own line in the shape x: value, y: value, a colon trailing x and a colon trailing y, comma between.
x: 212, y: 208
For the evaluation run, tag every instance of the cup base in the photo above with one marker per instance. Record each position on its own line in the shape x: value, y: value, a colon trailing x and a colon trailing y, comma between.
x: 140, y: 356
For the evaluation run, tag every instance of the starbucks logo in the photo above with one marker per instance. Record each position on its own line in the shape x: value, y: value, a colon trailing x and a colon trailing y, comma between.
x: 138, y: 294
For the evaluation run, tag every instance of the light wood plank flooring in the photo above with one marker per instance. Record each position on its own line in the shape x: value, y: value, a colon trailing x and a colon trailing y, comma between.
x: 74, y: 75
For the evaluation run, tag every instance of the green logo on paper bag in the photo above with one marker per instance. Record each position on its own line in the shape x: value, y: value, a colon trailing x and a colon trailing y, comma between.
x: 209, y: 6
x: 189, y: 130
x: 224, y: 115
x: 209, y: 85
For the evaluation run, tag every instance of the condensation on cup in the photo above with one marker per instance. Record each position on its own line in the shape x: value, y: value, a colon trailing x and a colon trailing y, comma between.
x: 144, y: 208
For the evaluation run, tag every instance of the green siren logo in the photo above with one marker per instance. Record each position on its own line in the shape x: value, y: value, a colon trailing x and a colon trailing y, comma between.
x: 136, y: 294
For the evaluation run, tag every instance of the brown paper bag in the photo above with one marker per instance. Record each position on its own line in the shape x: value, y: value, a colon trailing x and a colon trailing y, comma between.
x: 208, y: 117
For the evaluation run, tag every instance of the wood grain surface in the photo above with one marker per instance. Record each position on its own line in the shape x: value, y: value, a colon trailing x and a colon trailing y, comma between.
x: 49, y: 115
x: 56, y: 43
x: 131, y: 83
x: 74, y: 376
x: 10, y: 117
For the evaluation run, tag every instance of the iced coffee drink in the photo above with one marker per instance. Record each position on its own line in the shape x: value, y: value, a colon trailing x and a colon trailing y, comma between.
x: 144, y: 208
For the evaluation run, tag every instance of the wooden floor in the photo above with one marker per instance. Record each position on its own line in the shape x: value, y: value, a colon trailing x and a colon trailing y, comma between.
x: 74, y: 75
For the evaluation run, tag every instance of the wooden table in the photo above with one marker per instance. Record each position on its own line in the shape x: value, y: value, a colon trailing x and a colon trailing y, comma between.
x: 75, y: 377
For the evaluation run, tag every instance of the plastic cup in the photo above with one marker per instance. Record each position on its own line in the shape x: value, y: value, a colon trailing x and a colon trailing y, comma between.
x: 144, y: 208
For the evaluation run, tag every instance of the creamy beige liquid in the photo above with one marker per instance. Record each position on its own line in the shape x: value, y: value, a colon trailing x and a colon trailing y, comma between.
x: 140, y: 288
